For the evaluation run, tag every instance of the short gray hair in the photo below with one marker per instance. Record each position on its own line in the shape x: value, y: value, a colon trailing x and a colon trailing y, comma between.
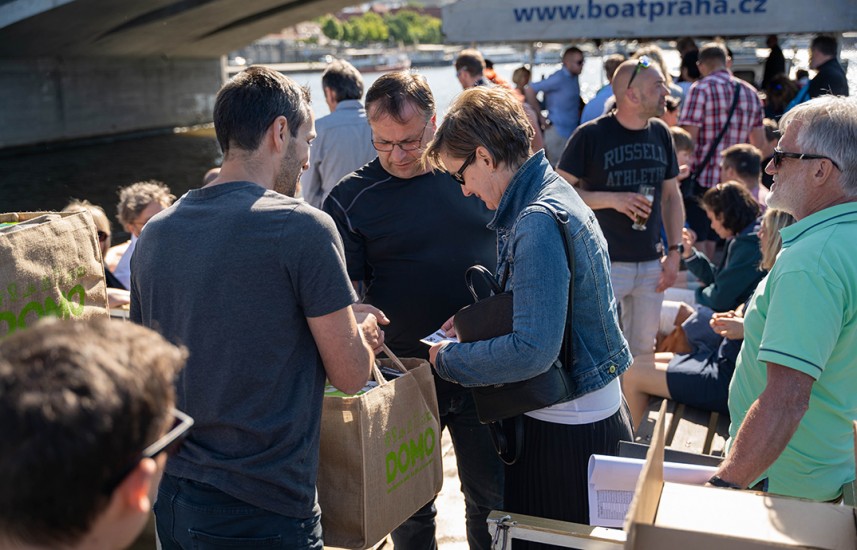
x: 345, y: 81
x: 829, y: 128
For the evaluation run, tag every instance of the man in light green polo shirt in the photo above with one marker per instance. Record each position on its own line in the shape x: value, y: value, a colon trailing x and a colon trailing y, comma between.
x: 793, y: 396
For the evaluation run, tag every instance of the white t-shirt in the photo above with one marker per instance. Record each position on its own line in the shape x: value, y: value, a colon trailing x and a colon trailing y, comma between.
x: 123, y: 268
x: 592, y: 407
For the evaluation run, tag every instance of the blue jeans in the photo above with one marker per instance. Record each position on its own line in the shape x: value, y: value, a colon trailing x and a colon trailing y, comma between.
x: 479, y: 470
x: 195, y: 515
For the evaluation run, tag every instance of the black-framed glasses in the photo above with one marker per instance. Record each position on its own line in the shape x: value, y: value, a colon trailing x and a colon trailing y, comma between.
x: 643, y: 63
x: 779, y: 155
x: 459, y: 176
x: 408, y: 145
x: 169, y: 443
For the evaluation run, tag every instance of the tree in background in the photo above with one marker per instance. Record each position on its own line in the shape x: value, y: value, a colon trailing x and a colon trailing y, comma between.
x: 332, y: 27
x: 411, y: 27
x: 405, y: 26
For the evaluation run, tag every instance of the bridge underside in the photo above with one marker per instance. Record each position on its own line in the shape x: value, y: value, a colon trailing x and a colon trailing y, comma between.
x: 80, y: 68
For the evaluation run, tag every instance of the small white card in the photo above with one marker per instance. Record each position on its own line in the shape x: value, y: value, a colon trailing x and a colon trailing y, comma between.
x: 437, y: 337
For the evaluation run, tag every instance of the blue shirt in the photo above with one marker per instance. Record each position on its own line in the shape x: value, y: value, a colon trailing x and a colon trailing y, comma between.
x: 595, y: 107
x: 562, y: 100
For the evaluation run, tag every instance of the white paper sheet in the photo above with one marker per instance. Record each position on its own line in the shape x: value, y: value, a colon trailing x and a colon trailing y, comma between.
x: 437, y: 337
x: 612, y: 481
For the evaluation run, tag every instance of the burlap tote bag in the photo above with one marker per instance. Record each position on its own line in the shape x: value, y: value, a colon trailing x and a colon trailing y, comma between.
x: 50, y: 264
x: 380, y: 456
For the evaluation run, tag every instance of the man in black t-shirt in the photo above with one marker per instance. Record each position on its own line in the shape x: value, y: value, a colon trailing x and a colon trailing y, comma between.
x: 409, y: 236
x: 607, y: 160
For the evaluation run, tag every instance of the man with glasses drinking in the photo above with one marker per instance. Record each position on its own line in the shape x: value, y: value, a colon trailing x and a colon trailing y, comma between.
x: 87, y: 416
x: 793, y: 396
x: 409, y: 236
x: 561, y: 96
x: 609, y: 160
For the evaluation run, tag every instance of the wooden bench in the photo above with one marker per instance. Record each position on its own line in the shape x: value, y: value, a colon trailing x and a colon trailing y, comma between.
x: 688, y: 429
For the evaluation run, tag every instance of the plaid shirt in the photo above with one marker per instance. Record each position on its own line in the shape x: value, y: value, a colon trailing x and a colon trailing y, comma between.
x: 706, y: 106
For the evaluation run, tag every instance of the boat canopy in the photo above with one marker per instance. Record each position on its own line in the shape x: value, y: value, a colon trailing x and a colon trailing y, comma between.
x: 553, y: 21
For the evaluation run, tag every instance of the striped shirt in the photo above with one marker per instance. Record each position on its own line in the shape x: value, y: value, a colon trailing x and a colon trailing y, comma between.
x: 707, y: 107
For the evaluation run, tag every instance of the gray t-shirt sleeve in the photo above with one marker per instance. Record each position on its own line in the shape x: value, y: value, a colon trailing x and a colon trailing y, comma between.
x: 315, y: 264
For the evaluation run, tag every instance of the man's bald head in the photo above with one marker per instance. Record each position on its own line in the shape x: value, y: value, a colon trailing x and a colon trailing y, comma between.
x: 633, y: 73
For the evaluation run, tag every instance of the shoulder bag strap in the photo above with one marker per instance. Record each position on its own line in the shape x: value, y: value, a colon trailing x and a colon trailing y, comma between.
x: 716, y: 142
x: 561, y: 219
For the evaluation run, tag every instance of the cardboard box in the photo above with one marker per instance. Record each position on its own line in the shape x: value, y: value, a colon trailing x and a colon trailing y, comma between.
x: 667, y: 515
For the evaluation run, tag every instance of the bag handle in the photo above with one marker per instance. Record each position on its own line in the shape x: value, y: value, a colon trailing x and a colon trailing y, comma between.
x: 376, y: 371
x: 487, y: 276
x: 396, y: 360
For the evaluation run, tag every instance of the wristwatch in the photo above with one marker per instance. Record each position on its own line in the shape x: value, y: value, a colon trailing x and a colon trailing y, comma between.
x: 679, y: 247
x: 717, y: 482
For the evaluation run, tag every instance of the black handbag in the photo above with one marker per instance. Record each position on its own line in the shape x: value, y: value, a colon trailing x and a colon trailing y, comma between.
x: 690, y: 187
x: 488, y: 318
x: 492, y: 317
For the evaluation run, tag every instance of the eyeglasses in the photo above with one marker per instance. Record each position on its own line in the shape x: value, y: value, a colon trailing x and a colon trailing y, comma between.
x: 643, y: 63
x: 102, y: 236
x: 169, y: 443
x: 779, y: 155
x: 408, y: 145
x: 459, y: 176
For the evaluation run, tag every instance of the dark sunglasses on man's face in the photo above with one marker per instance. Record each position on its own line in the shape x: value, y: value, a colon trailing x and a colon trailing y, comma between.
x: 779, y: 155
x: 169, y: 443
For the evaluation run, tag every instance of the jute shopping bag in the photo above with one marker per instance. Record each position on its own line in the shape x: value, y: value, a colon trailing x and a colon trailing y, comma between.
x: 380, y: 456
x: 50, y: 264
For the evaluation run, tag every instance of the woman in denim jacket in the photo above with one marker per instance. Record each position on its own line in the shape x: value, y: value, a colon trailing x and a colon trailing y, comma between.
x: 484, y: 142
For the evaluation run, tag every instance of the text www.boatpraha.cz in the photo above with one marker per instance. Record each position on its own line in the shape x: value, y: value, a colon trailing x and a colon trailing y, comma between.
x: 642, y: 9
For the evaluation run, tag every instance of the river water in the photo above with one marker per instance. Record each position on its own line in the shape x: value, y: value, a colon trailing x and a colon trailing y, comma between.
x: 47, y: 180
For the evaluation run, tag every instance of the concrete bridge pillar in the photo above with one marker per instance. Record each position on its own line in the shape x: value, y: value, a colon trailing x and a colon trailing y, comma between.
x: 51, y: 99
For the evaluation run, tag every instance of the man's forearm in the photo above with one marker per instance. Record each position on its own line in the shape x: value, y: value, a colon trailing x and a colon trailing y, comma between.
x: 768, y: 427
x: 673, y: 211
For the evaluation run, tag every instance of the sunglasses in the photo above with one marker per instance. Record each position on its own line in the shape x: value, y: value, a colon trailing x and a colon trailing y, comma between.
x: 779, y: 155
x: 459, y: 176
x: 169, y: 443
x: 102, y: 236
x: 643, y: 63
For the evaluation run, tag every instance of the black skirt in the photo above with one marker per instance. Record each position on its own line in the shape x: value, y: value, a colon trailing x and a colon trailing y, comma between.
x: 549, y: 480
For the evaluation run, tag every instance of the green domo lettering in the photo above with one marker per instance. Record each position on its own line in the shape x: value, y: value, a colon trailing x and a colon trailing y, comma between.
x: 71, y: 303
x: 409, y: 453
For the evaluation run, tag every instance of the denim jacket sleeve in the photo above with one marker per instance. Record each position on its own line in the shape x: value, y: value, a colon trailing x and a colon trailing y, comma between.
x: 540, y: 279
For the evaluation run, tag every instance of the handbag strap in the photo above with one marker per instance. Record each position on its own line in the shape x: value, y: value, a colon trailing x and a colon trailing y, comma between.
x: 487, y: 276
x: 561, y: 219
x: 716, y: 142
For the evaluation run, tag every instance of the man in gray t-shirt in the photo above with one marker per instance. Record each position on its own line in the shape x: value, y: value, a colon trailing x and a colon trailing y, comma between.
x: 253, y: 282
